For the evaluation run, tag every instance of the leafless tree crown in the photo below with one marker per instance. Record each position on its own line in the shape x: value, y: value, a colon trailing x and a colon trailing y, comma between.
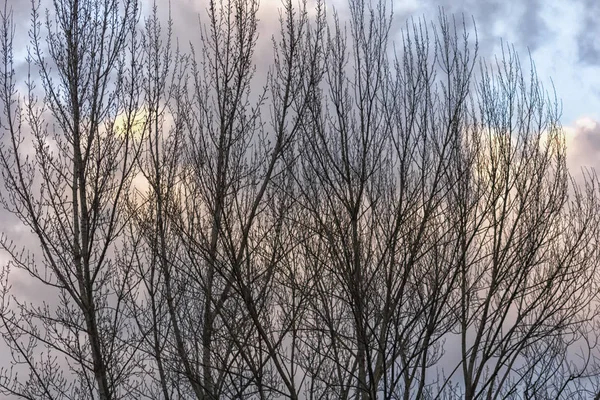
x: 382, y: 214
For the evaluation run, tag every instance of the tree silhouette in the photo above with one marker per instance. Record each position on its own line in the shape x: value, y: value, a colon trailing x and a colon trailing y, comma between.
x: 363, y: 220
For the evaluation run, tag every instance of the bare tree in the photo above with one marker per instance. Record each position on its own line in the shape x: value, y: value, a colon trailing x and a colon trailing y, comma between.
x: 148, y: 241
x: 215, y: 244
x: 324, y: 236
x: 528, y: 254
x: 374, y: 180
x: 438, y: 203
x: 69, y: 193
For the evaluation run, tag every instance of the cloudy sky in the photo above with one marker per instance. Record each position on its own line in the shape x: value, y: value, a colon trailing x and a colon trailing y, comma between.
x: 562, y: 36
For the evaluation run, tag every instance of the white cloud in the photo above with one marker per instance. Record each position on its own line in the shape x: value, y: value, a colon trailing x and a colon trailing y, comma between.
x: 583, y: 144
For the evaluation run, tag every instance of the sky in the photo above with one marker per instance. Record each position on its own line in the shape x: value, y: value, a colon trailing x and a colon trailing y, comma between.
x: 562, y: 37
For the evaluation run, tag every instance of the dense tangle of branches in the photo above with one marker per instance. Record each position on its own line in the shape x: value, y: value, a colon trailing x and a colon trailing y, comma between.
x: 363, y: 220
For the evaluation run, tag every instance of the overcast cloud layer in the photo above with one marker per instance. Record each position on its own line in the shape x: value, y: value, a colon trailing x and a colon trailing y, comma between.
x: 562, y: 36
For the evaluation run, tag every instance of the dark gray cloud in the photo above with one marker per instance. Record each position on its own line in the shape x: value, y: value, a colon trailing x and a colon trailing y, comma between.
x: 519, y: 22
x: 532, y: 30
x: 588, y: 37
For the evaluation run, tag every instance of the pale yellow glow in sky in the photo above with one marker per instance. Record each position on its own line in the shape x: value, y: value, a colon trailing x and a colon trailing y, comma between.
x: 138, y: 124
